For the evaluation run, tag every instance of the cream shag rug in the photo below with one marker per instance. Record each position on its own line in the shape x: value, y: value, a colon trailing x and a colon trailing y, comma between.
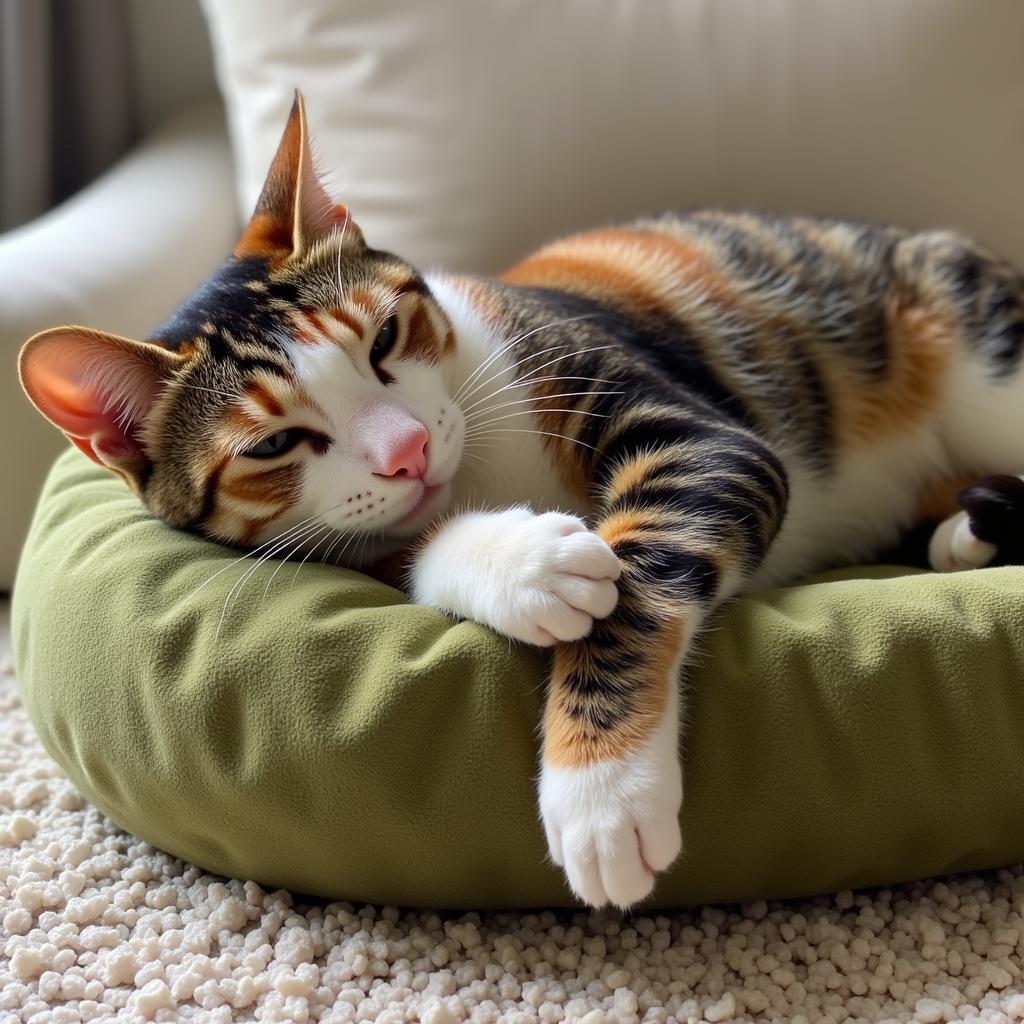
x: 96, y: 925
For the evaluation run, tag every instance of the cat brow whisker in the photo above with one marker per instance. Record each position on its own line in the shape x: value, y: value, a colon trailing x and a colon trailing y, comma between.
x: 198, y: 387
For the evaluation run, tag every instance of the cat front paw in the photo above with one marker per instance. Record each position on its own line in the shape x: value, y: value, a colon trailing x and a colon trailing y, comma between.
x: 555, y: 578
x: 613, y: 825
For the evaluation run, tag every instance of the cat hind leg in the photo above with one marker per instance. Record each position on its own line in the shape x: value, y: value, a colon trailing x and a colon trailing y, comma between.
x: 989, y: 529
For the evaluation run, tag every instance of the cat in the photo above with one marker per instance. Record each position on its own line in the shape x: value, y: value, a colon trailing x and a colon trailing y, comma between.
x: 590, y: 453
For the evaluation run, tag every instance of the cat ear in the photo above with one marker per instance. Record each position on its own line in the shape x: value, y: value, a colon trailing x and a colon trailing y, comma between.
x: 97, y: 388
x: 294, y: 209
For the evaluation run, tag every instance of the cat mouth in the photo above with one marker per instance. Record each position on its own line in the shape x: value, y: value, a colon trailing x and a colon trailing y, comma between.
x: 427, y: 498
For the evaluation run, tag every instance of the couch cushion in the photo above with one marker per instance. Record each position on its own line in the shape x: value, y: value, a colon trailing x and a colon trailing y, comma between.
x: 463, y: 133
x: 324, y: 735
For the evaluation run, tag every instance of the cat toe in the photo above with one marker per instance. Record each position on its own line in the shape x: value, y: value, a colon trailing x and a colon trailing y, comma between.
x: 586, y: 554
x: 626, y: 876
x: 597, y: 598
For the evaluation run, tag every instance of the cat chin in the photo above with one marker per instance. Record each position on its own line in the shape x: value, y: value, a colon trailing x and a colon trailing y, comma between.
x: 431, y: 503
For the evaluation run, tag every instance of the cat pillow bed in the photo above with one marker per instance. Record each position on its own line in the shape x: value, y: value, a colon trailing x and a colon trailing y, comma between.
x: 312, y: 729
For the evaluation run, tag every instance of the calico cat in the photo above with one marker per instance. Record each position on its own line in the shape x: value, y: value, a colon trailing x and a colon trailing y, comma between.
x: 590, y: 453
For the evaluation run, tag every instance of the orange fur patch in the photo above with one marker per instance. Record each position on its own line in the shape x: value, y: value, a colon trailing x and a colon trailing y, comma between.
x: 266, y: 237
x: 258, y: 394
x: 921, y: 343
x: 421, y: 341
x: 623, y: 525
x: 633, y: 264
x: 570, y: 741
x: 938, y: 500
x: 343, y: 316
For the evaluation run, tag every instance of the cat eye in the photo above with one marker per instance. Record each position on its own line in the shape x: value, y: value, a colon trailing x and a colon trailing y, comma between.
x: 276, y: 444
x: 385, y: 341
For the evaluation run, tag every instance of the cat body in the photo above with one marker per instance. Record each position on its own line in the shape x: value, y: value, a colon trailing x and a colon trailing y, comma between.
x: 591, y: 452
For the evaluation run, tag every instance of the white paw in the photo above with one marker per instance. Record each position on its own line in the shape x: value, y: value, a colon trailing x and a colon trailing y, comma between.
x: 614, y: 824
x: 561, y: 577
x: 954, y: 546
x: 541, y: 579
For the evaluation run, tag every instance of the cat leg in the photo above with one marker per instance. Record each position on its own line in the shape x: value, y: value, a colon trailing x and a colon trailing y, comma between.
x: 689, y: 505
x: 989, y: 530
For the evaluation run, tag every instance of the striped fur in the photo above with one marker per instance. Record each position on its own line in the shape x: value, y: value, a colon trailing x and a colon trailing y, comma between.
x: 710, y: 402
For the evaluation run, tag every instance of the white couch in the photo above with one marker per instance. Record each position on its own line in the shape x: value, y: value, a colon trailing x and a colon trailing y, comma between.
x: 461, y: 134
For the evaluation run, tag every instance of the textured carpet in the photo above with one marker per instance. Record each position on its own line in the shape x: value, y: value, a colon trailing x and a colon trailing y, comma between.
x: 97, y: 925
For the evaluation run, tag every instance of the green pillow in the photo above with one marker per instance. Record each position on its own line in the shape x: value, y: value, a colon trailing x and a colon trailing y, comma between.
x: 333, y: 739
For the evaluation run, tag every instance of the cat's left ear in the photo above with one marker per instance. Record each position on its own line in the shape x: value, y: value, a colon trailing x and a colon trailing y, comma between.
x: 98, y: 388
x: 294, y: 210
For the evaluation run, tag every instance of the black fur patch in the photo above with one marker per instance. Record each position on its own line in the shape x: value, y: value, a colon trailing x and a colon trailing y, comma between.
x: 995, y: 508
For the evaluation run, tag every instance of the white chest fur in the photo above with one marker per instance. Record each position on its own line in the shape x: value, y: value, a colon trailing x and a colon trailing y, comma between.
x: 506, y: 460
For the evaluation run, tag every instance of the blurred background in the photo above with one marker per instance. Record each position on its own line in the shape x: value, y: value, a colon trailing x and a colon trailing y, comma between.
x: 81, y: 82
x: 134, y: 136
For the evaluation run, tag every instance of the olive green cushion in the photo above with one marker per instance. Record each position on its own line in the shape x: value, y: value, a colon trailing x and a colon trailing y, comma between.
x: 334, y: 739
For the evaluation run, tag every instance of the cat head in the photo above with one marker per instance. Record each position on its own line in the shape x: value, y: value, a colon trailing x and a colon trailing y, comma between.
x: 306, y: 378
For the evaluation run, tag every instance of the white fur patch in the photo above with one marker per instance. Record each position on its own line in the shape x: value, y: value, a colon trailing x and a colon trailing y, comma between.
x: 506, y: 464
x: 613, y: 824
x: 954, y: 547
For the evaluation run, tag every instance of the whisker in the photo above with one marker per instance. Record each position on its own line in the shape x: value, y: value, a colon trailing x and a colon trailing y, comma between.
x: 330, y: 530
x: 510, y: 367
x: 524, y: 381
x: 530, y: 412
x: 249, y: 554
x: 516, y: 341
x: 547, y: 433
x: 198, y: 387
x: 483, y: 465
x: 239, y: 584
x: 282, y: 540
x: 540, y: 398
x: 527, y: 377
x: 351, y: 537
x: 299, y: 543
x: 501, y: 350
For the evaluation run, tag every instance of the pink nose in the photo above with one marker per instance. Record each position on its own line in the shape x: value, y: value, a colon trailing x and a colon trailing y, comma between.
x: 405, y: 455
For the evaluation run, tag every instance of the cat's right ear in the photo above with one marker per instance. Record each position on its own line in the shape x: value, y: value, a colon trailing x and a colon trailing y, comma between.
x: 294, y: 209
x: 97, y: 389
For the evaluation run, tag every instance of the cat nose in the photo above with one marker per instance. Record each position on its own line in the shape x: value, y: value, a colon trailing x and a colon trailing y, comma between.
x: 405, y: 455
